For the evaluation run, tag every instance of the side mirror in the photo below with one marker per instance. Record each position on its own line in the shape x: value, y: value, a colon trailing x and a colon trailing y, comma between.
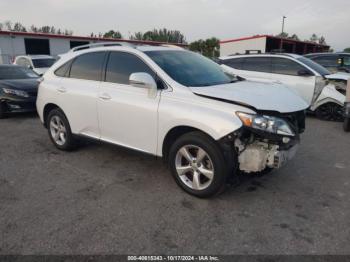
x: 304, y: 72
x: 144, y: 80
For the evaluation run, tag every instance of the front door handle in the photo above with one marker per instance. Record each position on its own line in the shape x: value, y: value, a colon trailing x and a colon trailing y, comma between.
x: 61, y: 90
x: 105, y: 96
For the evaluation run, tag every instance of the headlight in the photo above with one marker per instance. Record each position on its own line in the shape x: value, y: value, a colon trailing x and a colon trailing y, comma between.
x: 269, y: 124
x: 15, y: 92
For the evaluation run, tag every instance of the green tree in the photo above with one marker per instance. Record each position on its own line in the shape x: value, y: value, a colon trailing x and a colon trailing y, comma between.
x: 18, y: 27
x: 347, y: 50
x: 314, y: 38
x: 209, y: 47
x: 322, y: 40
x: 113, y: 34
x: 161, y: 35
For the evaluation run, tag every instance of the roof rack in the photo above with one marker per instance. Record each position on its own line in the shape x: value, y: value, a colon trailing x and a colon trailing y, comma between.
x: 94, y: 45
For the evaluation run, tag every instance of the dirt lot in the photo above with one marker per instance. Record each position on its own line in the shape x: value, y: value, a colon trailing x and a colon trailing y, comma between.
x: 103, y: 199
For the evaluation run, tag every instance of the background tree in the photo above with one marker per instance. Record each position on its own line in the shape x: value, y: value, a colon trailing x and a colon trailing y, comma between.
x: 314, y: 38
x: 209, y: 47
x: 161, y: 35
x: 322, y: 40
x: 347, y: 50
x: 113, y: 34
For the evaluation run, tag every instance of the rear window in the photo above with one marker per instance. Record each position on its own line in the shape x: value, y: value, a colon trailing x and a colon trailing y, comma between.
x: 88, y: 66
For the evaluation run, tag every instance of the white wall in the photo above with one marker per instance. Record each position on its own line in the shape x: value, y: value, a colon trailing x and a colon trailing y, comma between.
x: 243, y: 45
x: 12, y: 46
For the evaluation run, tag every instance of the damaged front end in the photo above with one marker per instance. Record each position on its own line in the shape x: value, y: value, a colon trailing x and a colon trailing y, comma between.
x: 269, y: 143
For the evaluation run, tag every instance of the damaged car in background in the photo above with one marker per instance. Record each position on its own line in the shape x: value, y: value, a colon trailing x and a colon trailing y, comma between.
x: 174, y: 104
x: 322, y: 90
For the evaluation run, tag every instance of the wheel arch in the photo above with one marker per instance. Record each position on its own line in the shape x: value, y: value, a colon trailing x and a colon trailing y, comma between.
x: 47, y: 109
x: 174, y: 134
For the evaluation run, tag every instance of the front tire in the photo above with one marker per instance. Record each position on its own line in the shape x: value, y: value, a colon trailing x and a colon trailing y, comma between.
x: 59, y: 131
x: 198, y: 165
x: 330, y: 112
x: 346, y: 125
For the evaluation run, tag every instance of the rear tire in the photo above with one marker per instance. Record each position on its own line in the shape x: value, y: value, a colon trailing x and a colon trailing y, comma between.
x: 59, y: 130
x: 198, y: 165
x: 346, y: 125
x: 330, y: 112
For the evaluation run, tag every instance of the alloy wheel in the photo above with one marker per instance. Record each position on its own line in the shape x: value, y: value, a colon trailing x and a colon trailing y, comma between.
x: 58, y: 130
x: 194, y: 167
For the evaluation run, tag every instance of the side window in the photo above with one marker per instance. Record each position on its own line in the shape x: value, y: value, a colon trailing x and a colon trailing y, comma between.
x: 234, y: 63
x: 258, y: 64
x: 327, y: 61
x: 88, y: 66
x: 346, y: 61
x: 63, y: 70
x: 286, y: 66
x: 121, y: 65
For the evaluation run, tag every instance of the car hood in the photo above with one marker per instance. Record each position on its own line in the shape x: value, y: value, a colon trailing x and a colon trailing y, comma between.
x: 338, y: 76
x: 20, y: 84
x: 260, y: 96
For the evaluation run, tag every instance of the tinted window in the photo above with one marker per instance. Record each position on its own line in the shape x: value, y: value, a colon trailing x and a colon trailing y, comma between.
x: 346, y: 61
x: 88, y: 66
x: 258, y: 64
x: 121, y: 65
x: 234, y: 63
x: 286, y: 66
x: 317, y: 67
x: 189, y: 68
x: 328, y: 61
x: 63, y: 70
x: 43, y: 63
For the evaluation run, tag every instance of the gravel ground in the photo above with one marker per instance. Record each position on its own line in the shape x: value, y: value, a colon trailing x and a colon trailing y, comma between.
x: 103, y: 199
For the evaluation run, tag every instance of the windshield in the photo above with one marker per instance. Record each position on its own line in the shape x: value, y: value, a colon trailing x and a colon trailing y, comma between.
x: 313, y: 65
x: 188, y: 68
x: 43, y: 62
x: 16, y: 72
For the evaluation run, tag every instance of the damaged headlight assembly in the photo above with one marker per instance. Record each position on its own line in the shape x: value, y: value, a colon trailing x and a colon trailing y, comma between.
x: 265, y: 123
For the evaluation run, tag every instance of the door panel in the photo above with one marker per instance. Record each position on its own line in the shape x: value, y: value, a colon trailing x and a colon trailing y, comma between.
x: 128, y: 117
x: 77, y: 98
x: 285, y: 71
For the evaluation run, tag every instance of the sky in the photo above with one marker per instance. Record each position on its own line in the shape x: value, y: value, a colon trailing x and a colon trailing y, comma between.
x: 196, y: 19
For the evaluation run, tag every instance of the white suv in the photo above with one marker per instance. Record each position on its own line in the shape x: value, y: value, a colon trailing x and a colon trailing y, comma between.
x: 174, y: 104
x: 322, y: 90
x: 38, y: 63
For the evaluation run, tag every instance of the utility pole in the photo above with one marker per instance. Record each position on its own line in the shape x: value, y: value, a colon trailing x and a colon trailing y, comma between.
x: 281, y: 46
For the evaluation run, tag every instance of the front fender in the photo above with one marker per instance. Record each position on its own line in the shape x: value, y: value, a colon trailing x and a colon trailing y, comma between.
x: 329, y: 95
x: 216, y: 119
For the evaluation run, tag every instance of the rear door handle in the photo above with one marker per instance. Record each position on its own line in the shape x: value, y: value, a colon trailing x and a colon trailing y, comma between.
x: 61, y: 89
x: 105, y: 96
x: 278, y: 82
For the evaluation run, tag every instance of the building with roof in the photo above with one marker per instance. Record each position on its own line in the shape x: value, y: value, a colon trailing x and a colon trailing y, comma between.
x: 24, y: 43
x: 268, y: 43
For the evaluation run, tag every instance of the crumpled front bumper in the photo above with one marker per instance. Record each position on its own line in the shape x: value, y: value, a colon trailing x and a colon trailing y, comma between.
x: 258, y: 156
